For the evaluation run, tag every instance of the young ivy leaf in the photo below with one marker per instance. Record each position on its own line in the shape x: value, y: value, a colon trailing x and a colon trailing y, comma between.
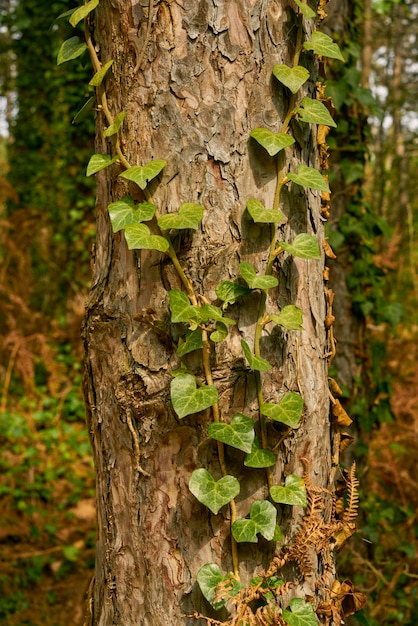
x: 238, y: 434
x: 291, y: 77
x: 189, y: 216
x: 229, y: 292
x: 263, y: 215
x: 188, y: 399
x: 294, y: 492
x: 259, y: 457
x: 304, y: 246
x: 314, y: 112
x: 305, y: 10
x: 70, y: 49
x: 142, y: 174
x: 99, y: 76
x: 262, y: 520
x: 272, y: 142
x: 290, y: 317
x: 191, y: 342
x: 213, y: 494
x: 208, y: 578
x: 255, y: 281
x: 99, y: 162
x: 300, y: 614
x: 113, y: 128
x: 220, y: 333
x: 288, y: 411
x: 309, y: 177
x: 255, y: 362
x: 82, y: 12
x: 138, y: 237
x: 323, y: 45
x: 125, y: 212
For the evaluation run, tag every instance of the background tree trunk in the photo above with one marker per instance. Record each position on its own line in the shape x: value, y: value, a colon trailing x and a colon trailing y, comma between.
x: 203, y: 84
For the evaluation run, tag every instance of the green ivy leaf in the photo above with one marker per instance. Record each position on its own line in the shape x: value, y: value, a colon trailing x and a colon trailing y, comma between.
x: 255, y: 362
x: 138, y: 237
x: 290, y: 317
x: 292, y: 77
x: 70, y: 49
x: 259, y: 457
x: 278, y: 536
x: 99, y: 76
x: 142, y: 174
x: 125, y: 212
x: 99, y: 162
x: 208, y: 578
x: 293, y: 492
x: 315, y: 112
x: 220, y: 333
x: 213, y: 494
x: 300, y: 614
x: 229, y: 292
x: 189, y: 216
x: 238, y: 434
x: 304, y: 246
x: 188, y: 399
x: 113, y: 128
x: 288, y: 411
x: 191, y: 342
x: 309, y: 177
x: 82, y: 12
x: 263, y: 215
x: 272, y: 142
x: 181, y: 309
x: 305, y: 10
x: 262, y: 520
x: 210, y: 312
x: 83, y: 113
x: 255, y: 281
x: 323, y: 45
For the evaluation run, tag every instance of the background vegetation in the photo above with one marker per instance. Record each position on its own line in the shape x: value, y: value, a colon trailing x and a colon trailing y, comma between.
x: 47, y: 228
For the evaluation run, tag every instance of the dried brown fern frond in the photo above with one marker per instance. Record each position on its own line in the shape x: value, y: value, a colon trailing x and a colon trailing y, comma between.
x: 351, y: 511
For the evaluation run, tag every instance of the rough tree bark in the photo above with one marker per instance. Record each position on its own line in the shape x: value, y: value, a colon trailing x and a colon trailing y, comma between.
x: 203, y: 83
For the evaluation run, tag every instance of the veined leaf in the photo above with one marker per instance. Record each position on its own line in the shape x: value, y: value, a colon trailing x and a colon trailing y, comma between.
x: 82, y: 12
x: 213, y: 494
x: 138, y: 237
x: 315, y: 112
x: 99, y: 162
x: 288, y: 411
x: 181, y: 309
x: 263, y: 215
x: 99, y: 76
x: 305, y: 10
x: 238, y: 434
x: 294, y: 491
x: 210, y: 312
x: 70, y: 49
x: 272, y: 142
x: 220, y: 333
x: 292, y: 77
x: 125, y: 212
x: 262, y: 520
x: 188, y: 399
x: 113, y: 128
x: 191, y: 342
x: 304, y: 246
x: 189, y: 216
x: 208, y: 578
x: 255, y: 362
x: 300, y: 614
x: 290, y: 317
x: 259, y: 457
x: 142, y: 174
x: 255, y: 281
x: 323, y: 45
x: 309, y: 177
x: 229, y: 292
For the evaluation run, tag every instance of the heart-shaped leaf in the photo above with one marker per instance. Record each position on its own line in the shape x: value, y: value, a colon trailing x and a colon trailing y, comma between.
x: 309, y: 177
x: 189, y: 216
x: 255, y: 362
x: 99, y: 162
x: 142, y: 174
x: 288, y: 411
x: 125, y: 212
x: 229, y: 292
x: 138, y: 237
x: 238, y: 434
x: 258, y: 457
x: 290, y: 317
x: 82, y: 12
x: 99, y: 76
x: 208, y: 578
x: 220, y: 333
x: 291, y: 77
x: 314, y: 112
x: 188, y: 399
x: 255, y: 281
x: 213, y: 494
x: 300, y: 614
x: 305, y: 10
x: 263, y: 215
x: 70, y: 49
x: 294, y: 491
x: 191, y: 342
x: 262, y: 520
x: 113, y: 128
x: 323, y: 45
x: 304, y: 246
x: 272, y: 142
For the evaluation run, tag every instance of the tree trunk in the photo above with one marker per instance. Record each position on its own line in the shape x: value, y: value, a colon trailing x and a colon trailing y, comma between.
x: 203, y: 83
